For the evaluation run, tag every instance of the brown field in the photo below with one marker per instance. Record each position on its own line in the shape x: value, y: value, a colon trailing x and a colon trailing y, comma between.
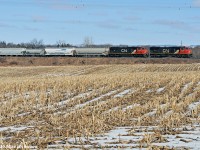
x: 65, y: 61
x: 78, y: 106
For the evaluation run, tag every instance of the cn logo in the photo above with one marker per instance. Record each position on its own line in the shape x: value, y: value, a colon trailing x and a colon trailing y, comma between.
x: 124, y: 50
x: 165, y: 50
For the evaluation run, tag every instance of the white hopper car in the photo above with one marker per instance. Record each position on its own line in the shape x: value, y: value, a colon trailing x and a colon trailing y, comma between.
x: 92, y: 51
x: 60, y: 51
x: 12, y: 51
x: 72, y: 51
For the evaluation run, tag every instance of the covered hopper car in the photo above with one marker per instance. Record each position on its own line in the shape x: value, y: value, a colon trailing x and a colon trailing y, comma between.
x: 91, y: 51
x: 59, y: 52
x: 12, y: 51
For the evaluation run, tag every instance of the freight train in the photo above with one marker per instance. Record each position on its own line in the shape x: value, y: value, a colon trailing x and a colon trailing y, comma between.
x: 117, y: 51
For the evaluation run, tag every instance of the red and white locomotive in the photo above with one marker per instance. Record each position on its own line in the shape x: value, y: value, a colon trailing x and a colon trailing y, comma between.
x: 155, y: 51
x: 174, y: 51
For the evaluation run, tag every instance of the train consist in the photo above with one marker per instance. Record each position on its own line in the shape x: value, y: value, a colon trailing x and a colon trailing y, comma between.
x: 118, y: 51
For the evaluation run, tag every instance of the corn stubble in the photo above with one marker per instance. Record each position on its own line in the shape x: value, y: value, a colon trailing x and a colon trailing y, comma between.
x: 47, y: 101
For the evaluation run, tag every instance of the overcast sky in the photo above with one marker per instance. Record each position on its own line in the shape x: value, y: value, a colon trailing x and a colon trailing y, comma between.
x: 132, y: 22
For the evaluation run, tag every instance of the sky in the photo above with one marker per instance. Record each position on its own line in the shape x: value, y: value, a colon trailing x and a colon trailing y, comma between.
x: 129, y: 22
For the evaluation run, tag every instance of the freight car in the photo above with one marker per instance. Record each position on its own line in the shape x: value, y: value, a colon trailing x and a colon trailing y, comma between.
x: 33, y: 52
x: 59, y: 52
x: 176, y: 51
x: 12, y: 51
x: 91, y: 52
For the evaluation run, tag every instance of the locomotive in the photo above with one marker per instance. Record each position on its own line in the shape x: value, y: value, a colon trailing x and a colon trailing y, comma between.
x: 128, y: 52
x: 115, y: 51
x: 153, y: 51
x: 176, y: 51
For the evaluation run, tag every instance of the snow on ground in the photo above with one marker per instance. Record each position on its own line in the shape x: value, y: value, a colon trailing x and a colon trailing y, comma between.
x: 149, y: 114
x: 15, y: 128
x: 130, y: 107
x: 23, y: 114
x: 95, y: 99
x: 194, y: 105
x: 131, y: 138
x: 185, y: 87
x: 160, y: 89
x: 110, y: 93
x: 82, y: 95
x: 149, y: 91
x: 112, y: 109
x: 167, y: 114
x: 123, y: 93
x: 188, y: 139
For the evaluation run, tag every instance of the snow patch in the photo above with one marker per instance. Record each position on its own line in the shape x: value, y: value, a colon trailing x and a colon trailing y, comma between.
x: 123, y: 93
x: 194, y: 105
x: 160, y: 89
x: 95, y: 99
x: 130, y: 107
x: 149, y: 91
x: 15, y: 128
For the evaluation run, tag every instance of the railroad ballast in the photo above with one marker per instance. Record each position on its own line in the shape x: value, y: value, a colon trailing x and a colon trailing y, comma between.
x: 117, y: 51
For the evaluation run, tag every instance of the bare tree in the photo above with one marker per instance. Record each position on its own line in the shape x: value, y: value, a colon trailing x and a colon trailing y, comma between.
x: 61, y: 43
x: 88, y: 41
x: 3, y: 44
x: 36, y: 43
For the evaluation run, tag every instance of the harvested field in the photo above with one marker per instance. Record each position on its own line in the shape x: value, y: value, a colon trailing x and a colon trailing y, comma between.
x: 63, y: 61
x: 101, y: 106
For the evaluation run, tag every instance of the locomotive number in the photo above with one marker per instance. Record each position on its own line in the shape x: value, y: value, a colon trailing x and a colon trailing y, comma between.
x: 165, y: 50
x: 124, y: 50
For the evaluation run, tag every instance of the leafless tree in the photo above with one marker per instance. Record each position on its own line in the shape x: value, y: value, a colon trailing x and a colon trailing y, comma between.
x: 88, y: 41
x: 36, y: 43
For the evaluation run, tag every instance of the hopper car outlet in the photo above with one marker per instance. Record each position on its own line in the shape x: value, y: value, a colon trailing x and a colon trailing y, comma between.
x: 129, y: 51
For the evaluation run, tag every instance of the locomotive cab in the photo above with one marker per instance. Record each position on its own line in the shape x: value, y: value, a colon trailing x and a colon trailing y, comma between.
x: 141, y: 51
x: 185, y: 52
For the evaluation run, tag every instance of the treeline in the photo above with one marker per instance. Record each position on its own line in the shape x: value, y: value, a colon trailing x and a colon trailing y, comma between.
x: 37, y: 44
x: 33, y: 44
